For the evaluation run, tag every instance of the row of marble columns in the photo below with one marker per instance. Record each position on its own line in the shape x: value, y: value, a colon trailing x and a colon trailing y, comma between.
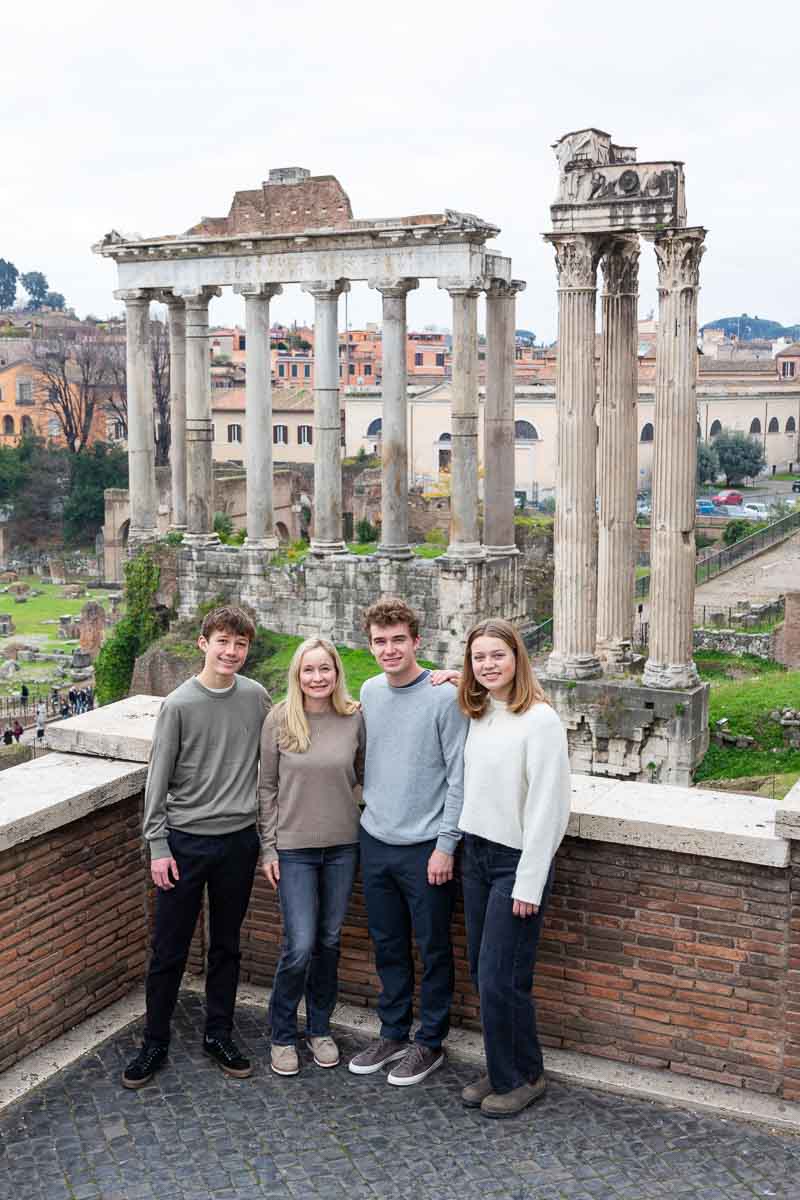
x: 596, y: 475
x: 192, y: 430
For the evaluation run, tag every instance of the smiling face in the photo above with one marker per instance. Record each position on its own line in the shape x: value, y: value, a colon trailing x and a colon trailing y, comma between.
x: 317, y: 675
x: 225, y: 653
x: 494, y: 665
x: 395, y: 651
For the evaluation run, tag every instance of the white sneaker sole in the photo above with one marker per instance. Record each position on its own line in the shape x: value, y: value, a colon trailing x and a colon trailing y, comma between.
x: 277, y: 1071
x: 324, y: 1065
x: 412, y: 1079
x: 375, y: 1067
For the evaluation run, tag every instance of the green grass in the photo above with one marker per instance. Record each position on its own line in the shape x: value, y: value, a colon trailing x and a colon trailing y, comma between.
x: 29, y: 617
x: 542, y: 522
x: 423, y: 550
x: 745, y: 690
x: 641, y: 572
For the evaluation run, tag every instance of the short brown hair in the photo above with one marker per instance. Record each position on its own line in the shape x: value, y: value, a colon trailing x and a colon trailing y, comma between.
x: 230, y: 619
x: 473, y: 697
x: 391, y: 610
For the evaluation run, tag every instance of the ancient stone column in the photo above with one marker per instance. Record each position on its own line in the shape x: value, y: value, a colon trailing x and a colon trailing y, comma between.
x: 465, y: 541
x: 617, y: 463
x: 394, y: 428
x: 672, y: 550
x: 575, y: 584
x: 199, y: 428
x: 498, y: 418
x: 141, y: 442
x: 258, y: 412
x: 176, y: 308
x: 327, y: 538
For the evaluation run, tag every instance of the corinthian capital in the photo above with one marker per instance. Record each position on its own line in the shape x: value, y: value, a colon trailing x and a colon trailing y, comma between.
x: 577, y: 256
x: 678, y: 252
x: 620, y: 266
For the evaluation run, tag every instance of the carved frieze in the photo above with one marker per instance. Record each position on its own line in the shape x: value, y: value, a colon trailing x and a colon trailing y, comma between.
x: 678, y: 253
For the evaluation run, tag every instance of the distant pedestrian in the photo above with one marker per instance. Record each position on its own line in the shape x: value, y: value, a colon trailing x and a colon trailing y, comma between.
x: 8, y: 736
x: 23, y: 693
x: 65, y: 709
x: 41, y: 718
x: 18, y: 731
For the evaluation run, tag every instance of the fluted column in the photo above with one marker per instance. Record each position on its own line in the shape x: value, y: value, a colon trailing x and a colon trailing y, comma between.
x: 199, y: 429
x: 498, y: 418
x: 176, y: 309
x: 617, y: 463
x: 258, y: 416
x: 672, y: 550
x: 465, y: 541
x: 327, y: 537
x: 575, y: 585
x: 141, y: 441
x: 394, y: 427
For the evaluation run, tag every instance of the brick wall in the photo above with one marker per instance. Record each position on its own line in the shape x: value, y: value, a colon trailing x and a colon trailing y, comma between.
x: 662, y: 960
x: 72, y: 926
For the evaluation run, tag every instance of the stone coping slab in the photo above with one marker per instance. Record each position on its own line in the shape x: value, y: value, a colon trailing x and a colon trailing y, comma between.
x: 55, y: 789
x: 787, y: 816
x: 121, y: 730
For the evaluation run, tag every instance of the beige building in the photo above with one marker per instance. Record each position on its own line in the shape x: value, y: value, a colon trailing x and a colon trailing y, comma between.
x: 292, y: 425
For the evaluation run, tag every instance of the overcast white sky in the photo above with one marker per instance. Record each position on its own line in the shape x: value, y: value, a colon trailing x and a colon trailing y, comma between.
x: 144, y: 117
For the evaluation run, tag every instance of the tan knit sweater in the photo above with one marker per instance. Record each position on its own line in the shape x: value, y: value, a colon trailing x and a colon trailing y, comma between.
x: 309, y: 799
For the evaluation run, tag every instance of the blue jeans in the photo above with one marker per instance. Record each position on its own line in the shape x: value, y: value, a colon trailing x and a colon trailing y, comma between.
x: 399, y: 899
x: 502, y: 956
x: 314, y: 892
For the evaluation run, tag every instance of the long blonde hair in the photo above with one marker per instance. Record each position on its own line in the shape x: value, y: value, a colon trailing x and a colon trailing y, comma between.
x: 473, y: 697
x: 294, y: 733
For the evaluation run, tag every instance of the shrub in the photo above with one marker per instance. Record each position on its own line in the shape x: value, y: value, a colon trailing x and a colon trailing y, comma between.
x: 436, y: 537
x: 736, y: 529
x: 365, y: 531
x: 132, y: 634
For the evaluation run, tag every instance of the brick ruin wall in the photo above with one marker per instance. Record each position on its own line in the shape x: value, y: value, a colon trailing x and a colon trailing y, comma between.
x: 673, y: 961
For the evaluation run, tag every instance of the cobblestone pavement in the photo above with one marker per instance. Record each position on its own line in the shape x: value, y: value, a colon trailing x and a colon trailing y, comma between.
x: 196, y: 1135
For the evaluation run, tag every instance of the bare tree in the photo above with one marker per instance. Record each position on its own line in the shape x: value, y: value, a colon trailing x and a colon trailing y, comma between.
x: 117, y: 397
x: 71, y: 370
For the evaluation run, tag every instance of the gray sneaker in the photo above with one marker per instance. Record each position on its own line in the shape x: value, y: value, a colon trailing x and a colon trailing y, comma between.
x: 325, y: 1051
x: 509, y: 1104
x: 417, y: 1065
x: 474, y: 1094
x: 284, y: 1060
x: 377, y: 1055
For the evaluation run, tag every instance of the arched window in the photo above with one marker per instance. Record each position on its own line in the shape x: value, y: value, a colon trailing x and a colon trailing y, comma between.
x: 773, y: 426
x: 280, y: 435
x: 234, y: 433
x: 791, y: 425
x: 716, y: 428
x: 305, y: 435
x: 445, y: 437
x: 525, y: 432
x: 755, y: 425
x: 27, y: 427
x: 375, y: 428
x: 8, y: 426
x: 647, y: 433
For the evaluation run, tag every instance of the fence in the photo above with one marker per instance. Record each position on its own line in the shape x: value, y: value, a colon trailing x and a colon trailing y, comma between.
x: 539, y: 638
x: 25, y: 710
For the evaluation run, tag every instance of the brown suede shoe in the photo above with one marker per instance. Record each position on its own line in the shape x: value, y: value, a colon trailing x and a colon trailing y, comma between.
x: 473, y: 1095
x: 509, y: 1104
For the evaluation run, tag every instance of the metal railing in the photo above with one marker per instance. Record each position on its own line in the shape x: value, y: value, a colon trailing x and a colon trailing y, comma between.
x: 539, y: 638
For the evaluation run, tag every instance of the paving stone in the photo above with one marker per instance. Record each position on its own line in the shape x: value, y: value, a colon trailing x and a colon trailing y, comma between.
x: 194, y: 1134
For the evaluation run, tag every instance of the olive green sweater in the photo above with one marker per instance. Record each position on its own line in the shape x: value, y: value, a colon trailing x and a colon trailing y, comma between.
x: 309, y: 799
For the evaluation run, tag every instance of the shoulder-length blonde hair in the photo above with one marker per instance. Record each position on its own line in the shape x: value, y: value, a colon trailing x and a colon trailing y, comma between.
x: 473, y: 697
x: 293, y: 729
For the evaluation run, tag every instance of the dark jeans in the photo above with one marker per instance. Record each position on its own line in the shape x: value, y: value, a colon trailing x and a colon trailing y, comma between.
x: 314, y: 892
x: 399, y: 899
x: 502, y: 956
x: 225, y: 864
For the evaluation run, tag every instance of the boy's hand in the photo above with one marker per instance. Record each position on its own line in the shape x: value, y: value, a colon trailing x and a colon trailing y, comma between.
x: 445, y: 675
x: 521, y: 908
x: 440, y: 867
x: 161, y: 869
x: 272, y: 874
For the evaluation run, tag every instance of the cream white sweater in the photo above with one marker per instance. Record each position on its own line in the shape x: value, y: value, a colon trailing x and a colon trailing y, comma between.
x: 517, y: 788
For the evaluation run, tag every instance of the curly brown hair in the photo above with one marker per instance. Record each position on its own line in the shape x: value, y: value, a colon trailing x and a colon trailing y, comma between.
x: 230, y: 619
x: 473, y: 697
x: 391, y: 610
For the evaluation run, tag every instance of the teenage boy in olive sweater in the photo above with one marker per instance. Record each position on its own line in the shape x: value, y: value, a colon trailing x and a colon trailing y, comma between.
x: 200, y: 824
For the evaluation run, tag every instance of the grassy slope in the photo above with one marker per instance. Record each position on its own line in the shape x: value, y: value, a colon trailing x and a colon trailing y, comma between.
x: 746, y: 690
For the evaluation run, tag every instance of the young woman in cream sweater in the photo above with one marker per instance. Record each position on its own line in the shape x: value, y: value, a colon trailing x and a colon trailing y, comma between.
x: 516, y: 808
x: 312, y: 758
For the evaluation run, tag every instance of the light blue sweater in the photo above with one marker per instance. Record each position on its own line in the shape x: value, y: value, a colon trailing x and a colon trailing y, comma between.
x: 414, y: 769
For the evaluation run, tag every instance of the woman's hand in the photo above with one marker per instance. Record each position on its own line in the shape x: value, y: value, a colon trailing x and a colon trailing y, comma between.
x: 445, y: 675
x: 522, y: 908
x: 272, y: 873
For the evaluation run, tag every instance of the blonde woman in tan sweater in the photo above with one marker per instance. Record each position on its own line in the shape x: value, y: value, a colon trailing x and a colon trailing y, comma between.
x: 312, y: 759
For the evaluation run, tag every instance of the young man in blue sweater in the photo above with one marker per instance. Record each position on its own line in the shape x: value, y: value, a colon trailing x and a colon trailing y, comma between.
x: 413, y: 793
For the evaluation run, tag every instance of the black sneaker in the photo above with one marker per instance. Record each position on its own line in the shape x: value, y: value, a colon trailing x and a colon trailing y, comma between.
x: 141, y: 1069
x: 227, y: 1055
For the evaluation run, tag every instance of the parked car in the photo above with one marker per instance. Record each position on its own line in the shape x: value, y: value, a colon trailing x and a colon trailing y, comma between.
x: 796, y: 485
x: 728, y: 496
x: 707, y: 508
x: 760, y: 511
